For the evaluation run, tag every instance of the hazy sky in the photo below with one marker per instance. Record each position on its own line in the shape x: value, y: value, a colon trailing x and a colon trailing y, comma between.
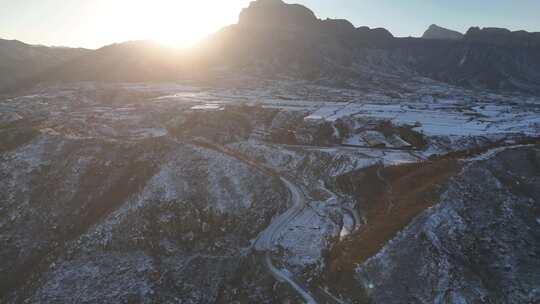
x: 94, y: 23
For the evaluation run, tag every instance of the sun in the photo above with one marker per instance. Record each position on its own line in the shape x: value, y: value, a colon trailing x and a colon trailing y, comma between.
x: 178, y: 23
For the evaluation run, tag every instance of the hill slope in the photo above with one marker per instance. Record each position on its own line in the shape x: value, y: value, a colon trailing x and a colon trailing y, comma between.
x: 19, y: 60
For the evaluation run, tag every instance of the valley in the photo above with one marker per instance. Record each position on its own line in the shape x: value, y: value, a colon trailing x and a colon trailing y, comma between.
x: 300, y: 192
x: 285, y: 158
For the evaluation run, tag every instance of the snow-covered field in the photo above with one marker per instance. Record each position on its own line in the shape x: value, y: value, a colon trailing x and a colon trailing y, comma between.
x: 440, y: 118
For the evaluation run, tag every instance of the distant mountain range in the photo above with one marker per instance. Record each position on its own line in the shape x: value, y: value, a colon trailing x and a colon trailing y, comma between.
x: 274, y: 39
x: 19, y: 60
x: 503, y: 37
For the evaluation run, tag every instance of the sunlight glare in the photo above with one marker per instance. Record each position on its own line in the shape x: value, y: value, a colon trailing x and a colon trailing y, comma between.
x: 178, y: 23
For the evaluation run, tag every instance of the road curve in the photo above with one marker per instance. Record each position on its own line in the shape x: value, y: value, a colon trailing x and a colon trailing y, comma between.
x: 281, y: 276
x: 265, y: 240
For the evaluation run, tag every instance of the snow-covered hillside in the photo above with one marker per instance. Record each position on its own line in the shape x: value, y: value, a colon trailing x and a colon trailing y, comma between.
x: 169, y: 192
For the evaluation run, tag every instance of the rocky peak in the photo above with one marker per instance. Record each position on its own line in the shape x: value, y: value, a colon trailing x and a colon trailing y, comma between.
x: 436, y: 32
x: 278, y: 14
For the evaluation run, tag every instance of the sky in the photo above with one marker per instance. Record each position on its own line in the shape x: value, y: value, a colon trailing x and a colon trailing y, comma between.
x: 95, y: 23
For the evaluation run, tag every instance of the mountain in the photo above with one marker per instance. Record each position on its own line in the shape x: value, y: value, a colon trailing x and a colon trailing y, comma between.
x: 19, y: 60
x: 134, y: 61
x: 271, y: 38
x: 436, y: 32
x: 290, y: 40
x: 275, y: 39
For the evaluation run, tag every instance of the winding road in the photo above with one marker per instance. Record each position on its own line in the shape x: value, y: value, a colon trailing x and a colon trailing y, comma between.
x: 265, y: 242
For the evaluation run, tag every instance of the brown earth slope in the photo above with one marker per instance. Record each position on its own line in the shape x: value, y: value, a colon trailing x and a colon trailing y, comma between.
x: 390, y: 198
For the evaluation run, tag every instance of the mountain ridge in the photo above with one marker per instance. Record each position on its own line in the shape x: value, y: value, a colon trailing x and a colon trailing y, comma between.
x: 503, y: 37
x: 19, y: 60
x: 273, y: 38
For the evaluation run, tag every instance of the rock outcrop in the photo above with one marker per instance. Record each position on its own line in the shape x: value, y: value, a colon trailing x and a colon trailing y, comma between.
x: 277, y: 14
x: 436, y: 32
